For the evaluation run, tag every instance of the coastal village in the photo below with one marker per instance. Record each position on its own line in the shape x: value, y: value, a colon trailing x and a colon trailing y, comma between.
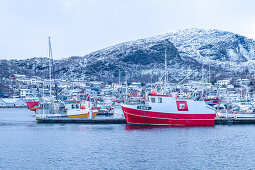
x: 236, y: 95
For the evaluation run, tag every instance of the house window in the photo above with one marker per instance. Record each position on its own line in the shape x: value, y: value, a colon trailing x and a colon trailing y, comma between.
x: 153, y: 100
x: 160, y: 100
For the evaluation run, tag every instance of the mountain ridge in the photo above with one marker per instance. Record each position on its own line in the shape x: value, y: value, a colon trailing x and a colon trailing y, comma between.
x: 143, y: 60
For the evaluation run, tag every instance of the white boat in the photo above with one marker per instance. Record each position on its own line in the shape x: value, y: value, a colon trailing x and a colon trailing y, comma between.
x: 67, y: 110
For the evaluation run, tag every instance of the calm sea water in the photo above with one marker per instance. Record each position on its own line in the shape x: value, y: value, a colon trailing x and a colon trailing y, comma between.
x: 24, y: 144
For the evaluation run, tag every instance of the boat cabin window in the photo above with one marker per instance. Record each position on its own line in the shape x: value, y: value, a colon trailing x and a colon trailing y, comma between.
x: 72, y: 106
x: 77, y: 106
x: 152, y: 100
x: 160, y: 100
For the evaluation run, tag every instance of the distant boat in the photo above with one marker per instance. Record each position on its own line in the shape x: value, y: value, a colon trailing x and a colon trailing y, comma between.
x: 212, y: 101
x: 31, y: 105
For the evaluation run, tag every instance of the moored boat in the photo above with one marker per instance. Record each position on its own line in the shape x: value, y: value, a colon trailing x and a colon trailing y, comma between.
x: 65, y: 110
x: 167, y: 110
x: 32, y: 104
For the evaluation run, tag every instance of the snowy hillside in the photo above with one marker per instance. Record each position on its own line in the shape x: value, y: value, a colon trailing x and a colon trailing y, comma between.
x: 143, y: 60
x: 224, y: 49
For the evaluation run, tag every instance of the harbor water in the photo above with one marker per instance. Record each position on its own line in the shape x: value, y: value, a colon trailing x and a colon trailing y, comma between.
x: 24, y: 144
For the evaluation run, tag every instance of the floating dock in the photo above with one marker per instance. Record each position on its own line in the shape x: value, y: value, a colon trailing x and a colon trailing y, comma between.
x: 109, y: 120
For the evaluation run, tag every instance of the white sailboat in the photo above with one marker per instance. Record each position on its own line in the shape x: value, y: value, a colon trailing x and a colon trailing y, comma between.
x: 53, y: 108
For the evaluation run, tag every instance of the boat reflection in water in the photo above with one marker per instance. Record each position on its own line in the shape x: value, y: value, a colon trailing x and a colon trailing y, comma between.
x: 146, y: 127
x: 132, y: 127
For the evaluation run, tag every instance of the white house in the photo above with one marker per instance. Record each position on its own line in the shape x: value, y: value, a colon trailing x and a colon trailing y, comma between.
x: 222, y: 82
x: 243, y: 82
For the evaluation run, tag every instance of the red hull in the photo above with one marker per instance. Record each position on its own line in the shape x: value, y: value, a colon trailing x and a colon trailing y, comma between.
x: 32, y: 104
x: 134, y: 116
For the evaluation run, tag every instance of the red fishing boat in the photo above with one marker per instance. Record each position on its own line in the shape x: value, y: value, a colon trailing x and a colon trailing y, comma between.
x: 168, y: 110
x: 33, y: 105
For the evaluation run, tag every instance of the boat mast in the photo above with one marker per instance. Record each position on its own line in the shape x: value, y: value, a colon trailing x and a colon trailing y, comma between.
x: 209, y: 74
x: 119, y: 88
x: 165, y: 72
x: 43, y: 98
x: 119, y: 77
x: 241, y: 84
x: 202, y: 78
x: 50, y: 54
x: 126, y: 87
x: 202, y: 62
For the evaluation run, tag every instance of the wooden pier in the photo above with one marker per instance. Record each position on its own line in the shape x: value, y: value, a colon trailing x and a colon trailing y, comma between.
x: 83, y: 120
x: 109, y: 120
x: 234, y: 121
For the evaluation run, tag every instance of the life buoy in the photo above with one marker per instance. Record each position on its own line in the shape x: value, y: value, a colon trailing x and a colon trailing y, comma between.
x: 83, y: 107
x: 144, y: 99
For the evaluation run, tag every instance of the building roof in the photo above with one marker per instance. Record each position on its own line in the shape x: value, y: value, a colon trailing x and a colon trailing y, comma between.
x: 10, y: 100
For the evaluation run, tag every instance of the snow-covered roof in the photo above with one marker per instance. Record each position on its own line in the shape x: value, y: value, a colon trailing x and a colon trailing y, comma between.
x: 10, y: 100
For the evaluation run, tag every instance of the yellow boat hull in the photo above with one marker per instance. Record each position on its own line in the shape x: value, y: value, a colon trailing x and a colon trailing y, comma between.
x: 72, y: 116
x: 79, y: 116
x: 86, y: 115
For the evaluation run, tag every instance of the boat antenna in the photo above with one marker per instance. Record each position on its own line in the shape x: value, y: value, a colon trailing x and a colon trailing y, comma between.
x: 165, y: 72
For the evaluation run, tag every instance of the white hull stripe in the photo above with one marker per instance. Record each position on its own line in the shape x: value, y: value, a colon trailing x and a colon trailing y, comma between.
x: 157, y: 124
x: 164, y: 118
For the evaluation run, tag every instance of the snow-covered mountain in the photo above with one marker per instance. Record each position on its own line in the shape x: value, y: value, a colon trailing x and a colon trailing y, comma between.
x: 225, y: 49
x: 143, y: 60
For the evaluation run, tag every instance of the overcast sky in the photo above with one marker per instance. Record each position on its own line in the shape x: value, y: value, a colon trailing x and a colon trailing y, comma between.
x: 78, y: 27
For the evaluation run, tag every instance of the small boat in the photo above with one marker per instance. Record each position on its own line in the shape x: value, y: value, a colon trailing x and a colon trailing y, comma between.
x: 212, y: 101
x: 31, y: 105
x: 67, y: 110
